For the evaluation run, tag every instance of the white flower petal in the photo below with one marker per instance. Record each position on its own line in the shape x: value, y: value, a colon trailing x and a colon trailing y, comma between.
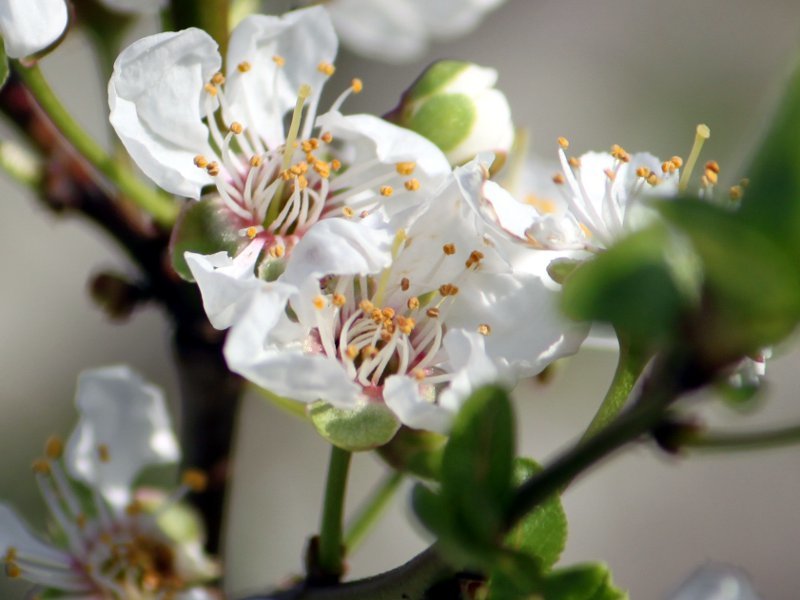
x: 123, y: 412
x: 512, y: 216
x: 261, y: 96
x: 28, y: 26
x: 373, y: 137
x: 14, y: 533
x: 155, y: 96
x: 226, y: 283
x: 339, y: 246
x: 402, y: 395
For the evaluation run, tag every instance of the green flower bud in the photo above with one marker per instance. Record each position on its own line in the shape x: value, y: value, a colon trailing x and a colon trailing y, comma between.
x: 455, y: 105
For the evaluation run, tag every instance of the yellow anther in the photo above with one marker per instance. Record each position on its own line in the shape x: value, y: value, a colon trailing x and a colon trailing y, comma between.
x: 406, y: 325
x: 285, y: 175
x: 339, y: 300
x: 376, y: 315
x: 323, y: 169
x: 405, y: 284
x: 387, y: 333
x: 643, y: 172
x: 218, y: 79
x: 574, y: 162
x: 278, y: 251
x: 134, y: 508
x: 54, y: 447
x: 352, y: 352
x: 306, y: 146
x: 653, y: 179
x: 666, y: 166
x: 244, y: 66
x: 610, y: 174
x: 677, y: 161
x: 449, y: 249
x: 563, y: 142
x: 347, y: 212
x: 448, y: 289
x: 357, y: 85
x: 326, y: 68
x: 405, y: 168
x: 210, y: 89
x: 412, y: 185
x: 335, y: 164
x: 326, y: 137
x: 41, y: 466
x: 195, y: 479
x: 103, y: 453
x: 236, y: 128
x: 319, y: 302
x: 388, y: 312
x: 736, y: 192
x: 433, y: 313
x: 386, y: 190
x: 278, y: 60
x: 11, y: 554
x: 369, y: 351
x: 558, y: 179
x: 711, y: 176
x: 200, y: 161
x: 212, y: 168
x: 301, y: 182
x: 418, y: 374
x: 366, y: 306
x: 251, y: 232
x: 712, y: 165
x: 413, y: 303
x: 12, y: 570
x: 619, y: 153
x: 484, y: 329
x: 474, y: 259
x: 256, y: 161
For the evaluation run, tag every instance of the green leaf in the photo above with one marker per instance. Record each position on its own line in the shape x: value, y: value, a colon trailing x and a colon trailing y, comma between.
x: 771, y: 201
x: 543, y: 533
x: 3, y: 64
x: 581, y: 582
x: 204, y: 227
x: 358, y: 429
x: 751, y: 286
x: 632, y: 287
x: 478, y: 461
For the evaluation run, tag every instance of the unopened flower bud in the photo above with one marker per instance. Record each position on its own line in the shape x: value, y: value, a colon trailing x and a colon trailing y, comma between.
x: 455, y: 105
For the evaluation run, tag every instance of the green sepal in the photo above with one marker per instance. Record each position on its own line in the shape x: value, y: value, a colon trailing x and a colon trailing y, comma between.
x: 434, y: 78
x: 561, y: 268
x: 204, y: 227
x: 364, y: 428
x: 632, y: 287
x: 416, y: 452
x: 446, y: 120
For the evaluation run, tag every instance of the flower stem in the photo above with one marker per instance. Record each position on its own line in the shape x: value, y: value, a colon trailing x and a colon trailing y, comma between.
x: 330, y: 535
x: 751, y: 440
x: 629, y: 367
x: 372, y: 510
x: 161, y: 207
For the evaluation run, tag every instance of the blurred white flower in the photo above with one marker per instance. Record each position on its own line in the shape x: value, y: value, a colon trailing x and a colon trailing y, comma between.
x: 109, y: 545
x: 401, y: 30
x: 28, y: 26
x: 418, y: 332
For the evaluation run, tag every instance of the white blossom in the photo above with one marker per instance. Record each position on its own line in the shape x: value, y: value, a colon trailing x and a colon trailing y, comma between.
x: 112, y: 546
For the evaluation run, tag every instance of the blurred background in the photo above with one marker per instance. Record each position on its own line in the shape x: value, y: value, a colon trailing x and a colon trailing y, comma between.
x: 639, y: 74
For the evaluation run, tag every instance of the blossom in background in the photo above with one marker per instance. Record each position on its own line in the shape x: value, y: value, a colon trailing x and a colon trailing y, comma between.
x: 28, y: 26
x: 444, y: 315
x: 112, y: 542
x: 168, y: 98
x: 401, y: 30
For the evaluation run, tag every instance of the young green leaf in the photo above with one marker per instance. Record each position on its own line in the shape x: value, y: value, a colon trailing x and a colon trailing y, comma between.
x: 3, y: 64
x: 581, y: 582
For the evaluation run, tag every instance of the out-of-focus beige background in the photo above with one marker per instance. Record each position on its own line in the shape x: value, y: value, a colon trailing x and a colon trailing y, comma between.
x: 640, y: 74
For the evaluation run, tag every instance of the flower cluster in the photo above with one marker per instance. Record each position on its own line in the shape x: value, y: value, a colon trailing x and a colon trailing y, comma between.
x: 113, y: 541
